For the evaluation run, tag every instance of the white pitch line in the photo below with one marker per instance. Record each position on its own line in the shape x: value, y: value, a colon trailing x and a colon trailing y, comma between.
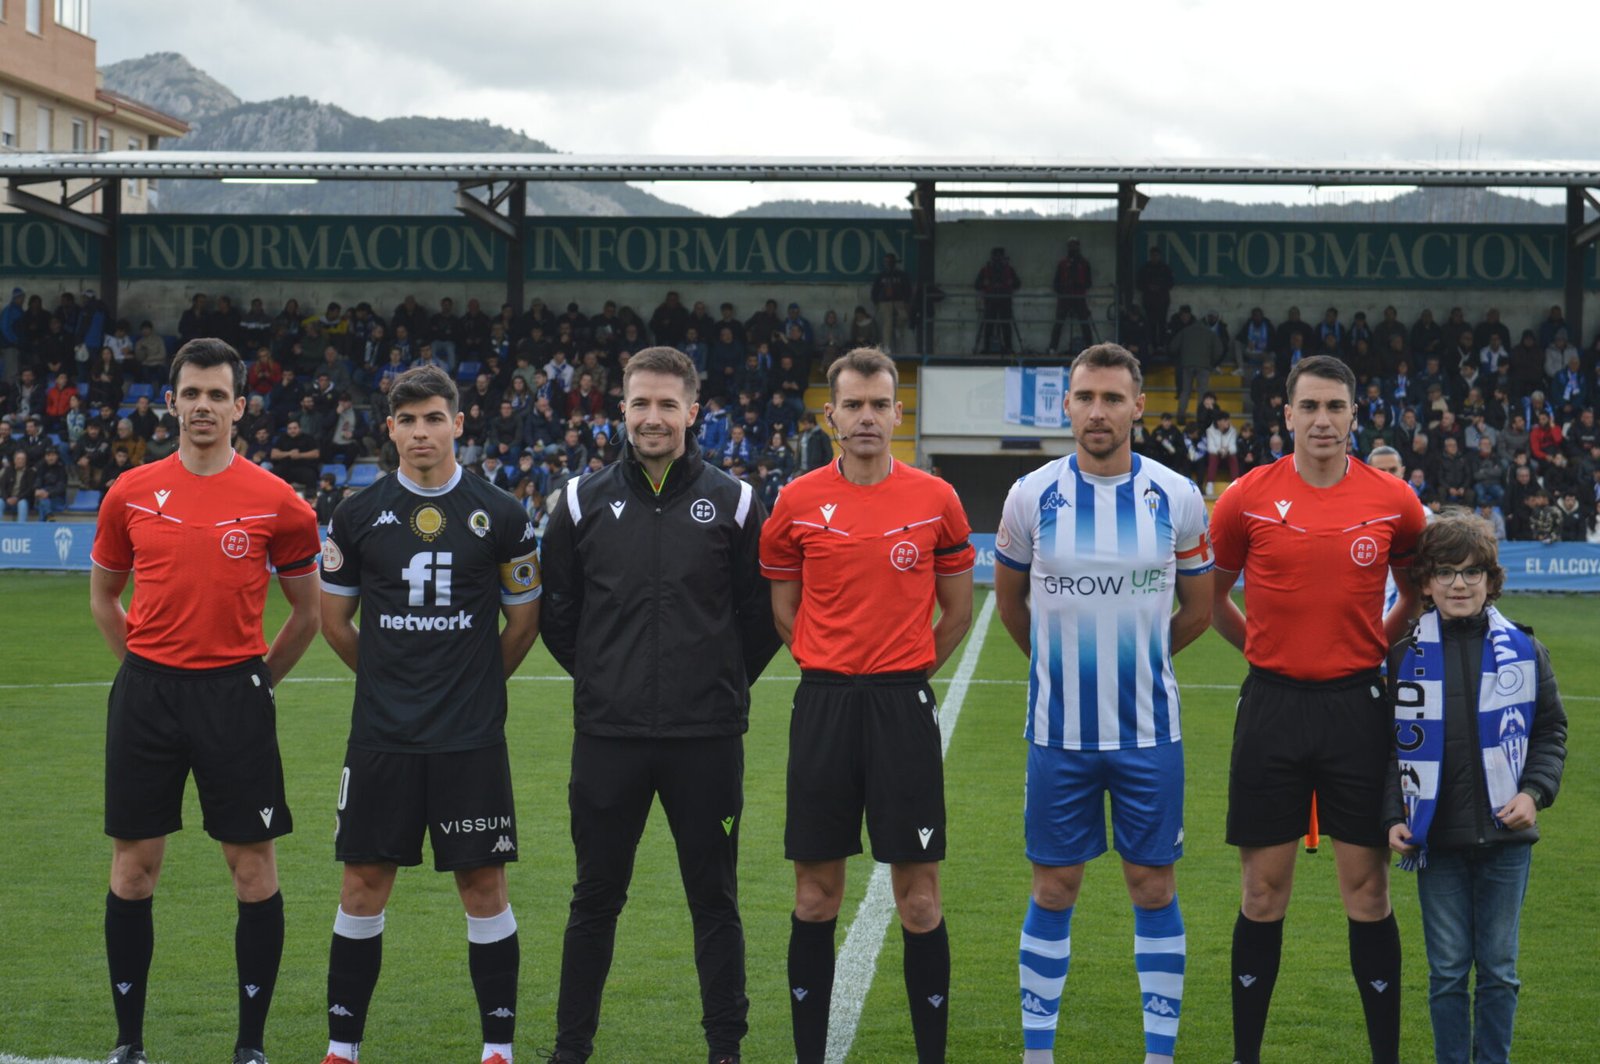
x: 858, y: 959
x: 8, y: 1058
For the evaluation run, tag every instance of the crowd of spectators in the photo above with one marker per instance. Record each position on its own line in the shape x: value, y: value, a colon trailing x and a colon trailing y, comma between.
x: 1480, y: 419
x: 540, y: 391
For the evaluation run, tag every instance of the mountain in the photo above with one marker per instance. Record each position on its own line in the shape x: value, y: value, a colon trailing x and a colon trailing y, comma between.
x: 221, y: 122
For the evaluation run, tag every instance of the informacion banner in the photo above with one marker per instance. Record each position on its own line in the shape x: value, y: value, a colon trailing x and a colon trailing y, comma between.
x: 1033, y: 396
x: 151, y: 246
x: 1357, y: 255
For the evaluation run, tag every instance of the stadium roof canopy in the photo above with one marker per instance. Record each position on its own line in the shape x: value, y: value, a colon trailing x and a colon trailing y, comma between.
x: 29, y: 167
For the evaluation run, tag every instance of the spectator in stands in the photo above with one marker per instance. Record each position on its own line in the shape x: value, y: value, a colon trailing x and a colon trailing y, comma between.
x: 751, y: 380
x: 1494, y: 357
x: 57, y: 401
x: 1071, y: 283
x: 1222, y: 444
x: 1491, y: 327
x: 161, y: 444
x: 1252, y: 447
x: 777, y: 415
x: 290, y: 321
x: 296, y: 457
x: 75, y: 420
x: 1331, y: 331
x: 1544, y: 439
x: 143, y: 417
x: 426, y: 356
x: 794, y: 319
x: 11, y: 334
x: 344, y: 439
x: 1574, y: 523
x: 1195, y: 350
x: 762, y: 326
x: 1569, y: 385
x: 1155, y: 283
x: 996, y: 283
x: 1488, y: 474
x: 864, y: 330
x: 17, y: 485
x: 255, y: 327
x: 691, y: 346
x: 493, y: 470
x: 1376, y: 432
x: 1254, y: 341
x: 1454, y: 480
x: 118, y: 465
x: 105, y: 380
x: 1526, y: 374
x: 150, y: 351
x: 669, y: 321
x: 223, y: 322
x: 891, y: 298
x: 1421, y: 458
x: 192, y: 323
x: 1166, y: 444
x: 49, y: 486
x: 504, y: 436
x: 1496, y: 521
x: 128, y: 442
x: 738, y: 448
x: 813, y: 449
x: 91, y: 455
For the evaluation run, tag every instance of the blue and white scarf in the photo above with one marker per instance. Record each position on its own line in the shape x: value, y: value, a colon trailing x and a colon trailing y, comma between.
x: 1506, y: 695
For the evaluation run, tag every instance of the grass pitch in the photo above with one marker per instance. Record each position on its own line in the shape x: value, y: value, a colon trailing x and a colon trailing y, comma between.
x: 53, y: 863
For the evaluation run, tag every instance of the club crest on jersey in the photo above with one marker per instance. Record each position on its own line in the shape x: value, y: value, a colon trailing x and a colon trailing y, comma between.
x: 1364, y: 551
x: 427, y: 522
x: 236, y: 543
x: 904, y: 555
x: 1152, y: 500
x: 332, y: 556
x: 479, y: 522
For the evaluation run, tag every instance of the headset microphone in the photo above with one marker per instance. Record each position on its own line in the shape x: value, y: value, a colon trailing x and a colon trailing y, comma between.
x: 838, y: 437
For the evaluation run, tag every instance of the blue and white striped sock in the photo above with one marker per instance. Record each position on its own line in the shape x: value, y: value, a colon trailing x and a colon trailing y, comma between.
x: 1042, y: 970
x: 1159, y: 954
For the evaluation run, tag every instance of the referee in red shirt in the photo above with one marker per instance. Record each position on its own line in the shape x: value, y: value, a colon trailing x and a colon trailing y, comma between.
x: 199, y: 531
x: 858, y: 552
x: 1314, y: 535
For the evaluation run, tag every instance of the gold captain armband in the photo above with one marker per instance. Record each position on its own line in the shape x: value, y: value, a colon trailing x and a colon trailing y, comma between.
x: 520, y: 575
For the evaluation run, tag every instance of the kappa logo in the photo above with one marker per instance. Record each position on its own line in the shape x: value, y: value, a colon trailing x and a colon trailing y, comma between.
x: 799, y: 993
x: 527, y: 533
x: 501, y: 1013
x: 936, y: 1000
x: 123, y: 988
x: 1283, y: 508
x: 1053, y: 500
x: 1379, y: 985
x: 386, y: 518
x: 162, y: 496
x: 1179, y: 840
x: 251, y: 989
x: 616, y: 508
x: 1034, y: 1005
x: 1247, y: 981
x: 925, y: 834
x: 266, y: 816
x: 1160, y: 1006
x: 827, y: 512
x: 339, y: 1010
x: 503, y: 845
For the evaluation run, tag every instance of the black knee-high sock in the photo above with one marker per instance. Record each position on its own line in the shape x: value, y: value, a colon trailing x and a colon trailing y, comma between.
x: 494, y: 980
x: 1257, y: 950
x: 927, y: 969
x: 130, y: 942
x: 353, y: 966
x: 810, y: 986
x: 257, y: 951
x: 1375, y: 962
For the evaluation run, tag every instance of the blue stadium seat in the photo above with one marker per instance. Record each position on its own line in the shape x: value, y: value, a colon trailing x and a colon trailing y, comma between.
x: 137, y: 390
x: 363, y: 474
x: 83, y: 389
x: 340, y: 473
x: 173, y: 343
x: 85, y: 502
x: 467, y: 372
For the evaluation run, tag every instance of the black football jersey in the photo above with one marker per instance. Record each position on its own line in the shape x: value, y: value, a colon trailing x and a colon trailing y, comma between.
x: 432, y: 567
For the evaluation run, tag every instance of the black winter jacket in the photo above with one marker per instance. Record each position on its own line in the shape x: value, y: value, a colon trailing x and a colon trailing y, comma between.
x: 655, y: 603
x: 1462, y: 818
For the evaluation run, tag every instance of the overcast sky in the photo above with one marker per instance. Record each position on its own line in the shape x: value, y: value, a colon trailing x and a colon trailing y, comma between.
x: 1276, y: 81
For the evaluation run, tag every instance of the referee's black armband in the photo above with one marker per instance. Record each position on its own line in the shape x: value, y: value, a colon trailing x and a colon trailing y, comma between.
x: 309, y: 560
x: 954, y: 549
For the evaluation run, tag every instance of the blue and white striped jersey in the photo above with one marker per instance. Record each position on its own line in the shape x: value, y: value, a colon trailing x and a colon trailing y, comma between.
x: 1103, y: 554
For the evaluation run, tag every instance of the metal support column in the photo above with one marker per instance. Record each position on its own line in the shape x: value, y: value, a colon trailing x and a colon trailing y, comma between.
x: 1130, y: 203
x: 110, y: 248
x: 517, y: 213
x: 924, y: 199
x: 1579, y: 237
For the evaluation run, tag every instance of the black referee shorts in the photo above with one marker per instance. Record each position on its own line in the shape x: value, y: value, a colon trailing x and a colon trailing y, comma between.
x: 221, y: 724
x: 1292, y: 738
x: 865, y: 743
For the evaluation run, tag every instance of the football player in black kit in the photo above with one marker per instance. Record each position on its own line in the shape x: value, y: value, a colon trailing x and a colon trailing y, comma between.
x: 656, y: 605
x: 431, y: 556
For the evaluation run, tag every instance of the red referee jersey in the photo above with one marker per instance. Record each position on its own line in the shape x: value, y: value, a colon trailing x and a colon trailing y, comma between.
x: 201, y: 550
x: 1314, y: 563
x: 867, y: 557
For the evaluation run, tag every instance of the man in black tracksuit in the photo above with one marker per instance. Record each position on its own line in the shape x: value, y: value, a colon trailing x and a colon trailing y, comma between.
x: 655, y: 604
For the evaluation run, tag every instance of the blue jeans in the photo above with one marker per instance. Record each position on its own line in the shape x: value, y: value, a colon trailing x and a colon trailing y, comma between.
x: 1471, y: 909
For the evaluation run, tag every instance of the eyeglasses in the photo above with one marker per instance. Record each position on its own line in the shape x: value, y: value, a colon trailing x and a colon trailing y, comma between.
x: 1472, y: 575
